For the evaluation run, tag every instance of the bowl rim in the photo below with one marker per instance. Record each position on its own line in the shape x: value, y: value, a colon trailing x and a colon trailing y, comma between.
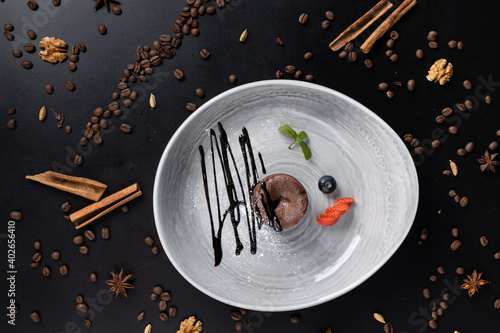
x: 412, y: 174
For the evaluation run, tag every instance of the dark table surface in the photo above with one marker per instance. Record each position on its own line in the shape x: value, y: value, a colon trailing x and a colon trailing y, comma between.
x: 394, y: 291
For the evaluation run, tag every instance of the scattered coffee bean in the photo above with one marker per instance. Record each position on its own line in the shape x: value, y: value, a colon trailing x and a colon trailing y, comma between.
x: 420, y: 54
x: 279, y: 41
x: 390, y: 94
x: 455, y: 245
x: 63, y: 270
x: 74, y: 58
x: 349, y: 47
x: 37, y: 257
x: 55, y: 255
x: 17, y: 53
x: 464, y: 201
x: 325, y: 24
x: 447, y: 172
x: 488, y: 99
x: 279, y: 74
x: 433, y: 278
x: 27, y: 64
x: 497, y: 304
x: 452, y: 44
x: 303, y: 18
x: 93, y: 277
x: 383, y: 86
x: 295, y: 318
x: 446, y: 296
x: 70, y: 85
x: 34, y: 264
x: 172, y: 311
x: 452, y: 193
x: 83, y: 249
x: 158, y: 290
x: 31, y: 34
x: 155, y: 250
x: 238, y: 326
x: 102, y: 29
x: 162, y: 305
x: 116, y: 10
x: 440, y: 270
x: 455, y: 232
x: 461, y: 152
x: 149, y: 240
x: 140, y: 316
x: 368, y: 63
x: 432, y: 36
x: 66, y: 207
x: 343, y: 55
x: 330, y: 15
x: 453, y: 130
x: 460, y: 45
x: 298, y: 74
x: 11, y: 124
x: 353, y: 56
x: 32, y: 5
x: 37, y: 245
x: 440, y: 119
x: 35, y: 317
x: 484, y: 241
x: 165, y: 296
x: 457, y: 198
x: 82, y: 307
x: 105, y: 233
x: 390, y: 43
x: 408, y: 138
x: 433, y: 45
x: 79, y: 299
x: 29, y: 47
x: 232, y: 79
x: 460, y: 106
x: 493, y: 145
x: 46, y: 271
x: 205, y: 54
x: 191, y: 107
x: 236, y: 315
x: 469, y: 104
x: 179, y: 75
x: 436, y: 144
x: 394, y: 57
x: 388, y: 328
x: 467, y: 85
x: 16, y: 215
x: 89, y: 234
x: 9, y: 35
x: 126, y: 128
x: 78, y: 240
x: 87, y: 323
x: 163, y: 316
x: 424, y: 233
x: 309, y: 78
x: 497, y: 256
x: 308, y: 56
x: 8, y: 27
x: 460, y: 270
x: 394, y: 35
x: 153, y: 297
x: 426, y: 293
x: 411, y: 85
x: 290, y: 69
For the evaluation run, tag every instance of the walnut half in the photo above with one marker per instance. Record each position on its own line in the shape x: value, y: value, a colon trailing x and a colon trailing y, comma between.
x: 190, y: 325
x: 441, y: 71
x: 55, y: 49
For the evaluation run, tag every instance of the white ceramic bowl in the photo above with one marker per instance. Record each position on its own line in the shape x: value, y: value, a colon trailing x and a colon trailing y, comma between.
x: 307, y: 264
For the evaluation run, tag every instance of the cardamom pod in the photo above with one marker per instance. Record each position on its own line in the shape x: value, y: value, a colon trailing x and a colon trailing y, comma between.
x: 244, y: 36
x: 152, y: 101
x: 147, y: 329
x: 42, y: 114
x: 379, y: 317
x: 454, y: 168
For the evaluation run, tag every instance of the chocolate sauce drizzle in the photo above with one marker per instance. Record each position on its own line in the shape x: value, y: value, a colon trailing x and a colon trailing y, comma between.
x: 227, y: 163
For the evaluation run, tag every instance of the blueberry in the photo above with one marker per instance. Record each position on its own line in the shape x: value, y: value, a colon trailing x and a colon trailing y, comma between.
x: 327, y: 184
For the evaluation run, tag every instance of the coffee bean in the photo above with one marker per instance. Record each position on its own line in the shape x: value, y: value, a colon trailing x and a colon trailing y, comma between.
x: 484, y: 241
x: 163, y: 316
x: 172, y: 311
x: 9, y: 35
x: 457, y: 198
x: 455, y: 232
x: 55, y: 255
x: 133, y: 95
x: 279, y: 74
x: 464, y: 201
x: 116, y: 10
x: 497, y: 256
x: 179, y: 75
x: 236, y: 315
x: 447, y: 172
x: 408, y: 138
x: 16, y: 215
x: 232, y: 79
x: 453, y: 130
x: 74, y: 58
x: 79, y: 299
x: 390, y: 43
x: 420, y: 54
x: 452, y: 44
x: 460, y: 106
x: 433, y: 45
x: 202, y: 10
x: 82, y: 47
x: 309, y: 78
x: 35, y: 317
x: 8, y: 27
x: 191, y: 107
x: 353, y: 56
x: 383, y: 86
x: 388, y: 328
x: 125, y: 208
x: 452, y: 193
x: 162, y: 305
x: 32, y: 5
x: 87, y: 323
x: 46, y: 271
x: 443, y: 305
x: 27, y: 64
x: 343, y: 55
x: 303, y: 18
x: 433, y: 278
x: 394, y: 57
x: 158, y: 290
x: 469, y: 104
x: 83, y: 249
x: 71, y: 66
x: 461, y: 152
x: 432, y: 36
x: 165, y: 296
x: 105, y: 233
x: 17, y: 53
x: 155, y: 250
x: 126, y: 128
x: 102, y: 29
x: 140, y: 316
x: 68, y: 129
x: 455, y: 245
x: 210, y: 10
x: 440, y: 270
x: 200, y: 92
x: 295, y: 318
x: 89, y: 234
x: 37, y: 257
x: 29, y: 47
x: 411, y: 85
x: 467, y: 85
x: 238, y: 326
x: 368, y: 63
x: 424, y: 233
x: 460, y: 46
x: 103, y: 123
x: 153, y: 297
x: 308, y: 56
x: 493, y: 145
x: 11, y: 124
x: 426, y: 293
x: 446, y: 296
x: 460, y: 270
x: 325, y: 25
x: 390, y: 94
x: 497, y: 304
x: 488, y: 99
x: 149, y: 240
x: 66, y: 207
x: 418, y: 150
x: 82, y: 307
x: 63, y: 270
x: 31, y: 34
x: 78, y: 240
x: 436, y: 144
x: 394, y: 35
x: 70, y: 85
x: 37, y: 245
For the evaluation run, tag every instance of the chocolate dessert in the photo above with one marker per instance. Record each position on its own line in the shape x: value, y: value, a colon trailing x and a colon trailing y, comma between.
x: 281, y: 201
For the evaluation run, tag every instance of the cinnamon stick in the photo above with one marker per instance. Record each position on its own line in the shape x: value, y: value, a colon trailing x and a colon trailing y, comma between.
x: 361, y: 24
x: 84, y: 187
x: 395, y: 16
x: 98, y: 209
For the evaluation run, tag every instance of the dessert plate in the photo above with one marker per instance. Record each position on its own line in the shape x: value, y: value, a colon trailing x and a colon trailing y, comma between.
x: 306, y: 264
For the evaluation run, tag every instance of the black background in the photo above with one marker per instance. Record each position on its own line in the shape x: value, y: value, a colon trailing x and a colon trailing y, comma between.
x: 394, y: 291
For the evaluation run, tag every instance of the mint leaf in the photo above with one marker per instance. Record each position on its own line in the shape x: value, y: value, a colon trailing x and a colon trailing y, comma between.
x: 301, y: 136
x: 289, y: 130
x: 305, y: 150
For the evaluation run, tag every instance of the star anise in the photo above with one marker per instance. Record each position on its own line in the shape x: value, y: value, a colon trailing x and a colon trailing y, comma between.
x: 119, y: 284
x: 99, y: 3
x: 487, y: 161
x: 473, y: 283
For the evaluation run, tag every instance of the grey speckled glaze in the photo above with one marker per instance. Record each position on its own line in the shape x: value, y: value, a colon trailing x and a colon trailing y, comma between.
x: 307, y: 264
